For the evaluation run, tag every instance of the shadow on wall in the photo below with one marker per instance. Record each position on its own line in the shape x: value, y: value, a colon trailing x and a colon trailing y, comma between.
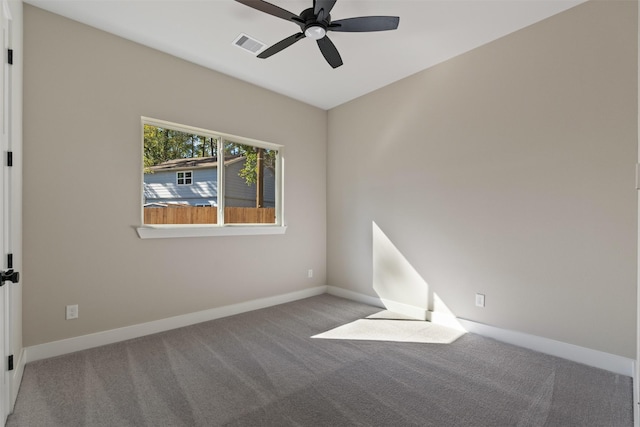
x: 401, y: 288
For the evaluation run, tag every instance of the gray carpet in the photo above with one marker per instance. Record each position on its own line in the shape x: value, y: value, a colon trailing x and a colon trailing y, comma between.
x: 263, y: 369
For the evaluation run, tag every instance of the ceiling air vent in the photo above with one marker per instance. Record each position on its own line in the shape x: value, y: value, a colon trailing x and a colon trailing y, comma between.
x: 248, y: 43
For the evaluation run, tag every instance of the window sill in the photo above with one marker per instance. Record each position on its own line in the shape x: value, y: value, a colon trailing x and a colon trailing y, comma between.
x: 171, y: 231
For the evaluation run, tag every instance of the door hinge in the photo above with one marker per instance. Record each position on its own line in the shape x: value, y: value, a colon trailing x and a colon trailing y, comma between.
x: 10, y: 56
x: 9, y: 158
x: 9, y: 260
x: 10, y: 362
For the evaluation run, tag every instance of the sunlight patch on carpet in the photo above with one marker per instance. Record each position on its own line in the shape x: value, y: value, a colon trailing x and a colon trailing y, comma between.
x: 388, y: 326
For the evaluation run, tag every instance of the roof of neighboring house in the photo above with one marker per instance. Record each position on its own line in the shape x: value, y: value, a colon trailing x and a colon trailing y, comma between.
x: 192, y: 163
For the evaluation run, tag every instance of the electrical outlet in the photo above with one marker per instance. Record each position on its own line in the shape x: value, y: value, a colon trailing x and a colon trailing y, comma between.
x: 310, y: 273
x: 479, y: 300
x: 72, y: 311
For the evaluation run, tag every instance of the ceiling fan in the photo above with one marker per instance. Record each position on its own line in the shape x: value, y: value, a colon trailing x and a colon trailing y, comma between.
x: 315, y: 22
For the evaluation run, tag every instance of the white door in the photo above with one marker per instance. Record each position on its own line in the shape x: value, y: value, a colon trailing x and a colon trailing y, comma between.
x: 5, y: 214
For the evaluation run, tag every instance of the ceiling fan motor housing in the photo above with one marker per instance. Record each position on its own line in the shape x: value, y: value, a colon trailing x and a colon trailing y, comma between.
x: 313, y: 27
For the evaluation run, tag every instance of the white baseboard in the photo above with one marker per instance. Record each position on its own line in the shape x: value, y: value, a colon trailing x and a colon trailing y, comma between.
x: 355, y: 296
x: 597, y: 359
x: 445, y: 319
x: 70, y: 345
x: 406, y: 309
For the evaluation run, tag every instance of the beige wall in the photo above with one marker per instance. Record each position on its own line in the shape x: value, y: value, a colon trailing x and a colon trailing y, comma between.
x: 85, y: 92
x: 508, y: 171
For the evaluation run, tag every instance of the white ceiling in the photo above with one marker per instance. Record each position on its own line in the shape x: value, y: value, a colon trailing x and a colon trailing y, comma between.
x: 202, y: 31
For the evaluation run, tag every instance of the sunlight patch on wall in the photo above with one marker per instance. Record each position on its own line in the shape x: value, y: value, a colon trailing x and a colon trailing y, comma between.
x: 401, y: 288
x: 394, y: 279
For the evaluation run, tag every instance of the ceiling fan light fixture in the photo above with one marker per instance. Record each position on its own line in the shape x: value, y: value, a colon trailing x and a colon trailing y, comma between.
x: 315, y: 32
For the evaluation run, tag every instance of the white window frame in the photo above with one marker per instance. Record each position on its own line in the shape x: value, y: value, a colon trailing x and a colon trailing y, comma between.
x: 184, y: 178
x: 155, y: 231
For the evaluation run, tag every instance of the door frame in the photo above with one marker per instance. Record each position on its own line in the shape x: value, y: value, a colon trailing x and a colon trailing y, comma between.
x: 11, y: 14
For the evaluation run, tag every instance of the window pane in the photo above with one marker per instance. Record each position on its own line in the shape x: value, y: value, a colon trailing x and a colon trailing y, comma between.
x: 181, y: 170
x: 249, y: 184
x: 179, y: 197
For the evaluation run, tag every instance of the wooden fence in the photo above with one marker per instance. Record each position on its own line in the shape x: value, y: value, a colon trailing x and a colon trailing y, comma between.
x: 208, y: 215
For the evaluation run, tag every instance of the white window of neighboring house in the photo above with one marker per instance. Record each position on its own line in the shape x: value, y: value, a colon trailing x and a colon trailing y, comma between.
x: 240, y: 178
x: 184, y: 178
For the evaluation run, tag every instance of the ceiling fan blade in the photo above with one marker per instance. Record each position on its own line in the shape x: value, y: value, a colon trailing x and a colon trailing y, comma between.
x: 271, y: 9
x: 322, y: 8
x: 282, y: 44
x: 365, y: 23
x: 329, y: 52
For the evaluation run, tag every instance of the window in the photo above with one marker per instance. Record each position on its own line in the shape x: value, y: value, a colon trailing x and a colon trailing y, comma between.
x: 184, y: 178
x: 202, y: 182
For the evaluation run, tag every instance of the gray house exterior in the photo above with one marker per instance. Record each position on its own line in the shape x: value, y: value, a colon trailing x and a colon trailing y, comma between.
x: 194, y: 182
